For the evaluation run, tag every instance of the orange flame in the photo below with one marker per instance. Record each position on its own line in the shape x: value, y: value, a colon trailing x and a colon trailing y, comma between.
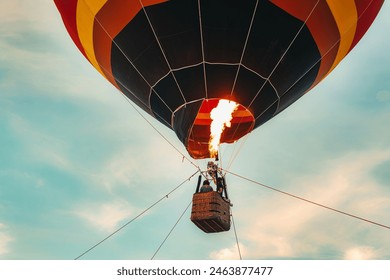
x: 221, y: 117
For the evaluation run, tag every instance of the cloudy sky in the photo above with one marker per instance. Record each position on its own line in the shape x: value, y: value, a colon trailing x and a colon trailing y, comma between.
x: 77, y: 161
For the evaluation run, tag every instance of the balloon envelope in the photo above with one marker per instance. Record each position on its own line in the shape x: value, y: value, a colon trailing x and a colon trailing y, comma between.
x: 176, y: 59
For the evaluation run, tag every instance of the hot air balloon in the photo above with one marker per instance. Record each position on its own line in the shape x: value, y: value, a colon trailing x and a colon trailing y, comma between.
x: 177, y: 59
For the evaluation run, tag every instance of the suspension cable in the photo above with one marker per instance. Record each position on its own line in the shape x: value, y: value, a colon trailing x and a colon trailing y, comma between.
x: 236, y: 152
x: 136, y: 217
x: 169, y: 233
x: 310, y: 201
x: 235, y: 234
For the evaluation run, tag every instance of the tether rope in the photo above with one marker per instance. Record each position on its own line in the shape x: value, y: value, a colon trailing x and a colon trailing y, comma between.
x: 169, y: 233
x: 136, y: 217
x: 235, y: 234
x: 309, y: 201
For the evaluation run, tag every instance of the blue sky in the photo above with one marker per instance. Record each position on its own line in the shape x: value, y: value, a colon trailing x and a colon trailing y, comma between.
x: 77, y: 161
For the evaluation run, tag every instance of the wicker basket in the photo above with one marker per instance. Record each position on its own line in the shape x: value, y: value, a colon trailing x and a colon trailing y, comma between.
x: 210, y: 212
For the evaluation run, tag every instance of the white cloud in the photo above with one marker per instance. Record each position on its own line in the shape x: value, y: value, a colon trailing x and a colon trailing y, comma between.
x: 230, y: 253
x: 360, y: 253
x: 36, y: 49
x: 28, y: 15
x: 288, y: 228
x: 5, y: 240
x: 147, y: 157
x: 105, y: 216
x: 47, y: 72
x: 121, y: 169
x: 41, y: 146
